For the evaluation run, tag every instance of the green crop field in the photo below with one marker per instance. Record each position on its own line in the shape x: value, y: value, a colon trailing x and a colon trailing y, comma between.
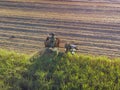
x: 49, y: 71
x: 92, y: 25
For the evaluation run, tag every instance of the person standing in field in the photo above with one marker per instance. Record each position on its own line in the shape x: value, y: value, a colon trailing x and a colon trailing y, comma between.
x: 52, y: 39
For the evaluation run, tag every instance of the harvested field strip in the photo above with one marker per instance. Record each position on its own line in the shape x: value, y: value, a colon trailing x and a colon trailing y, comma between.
x: 53, y: 6
x: 81, y: 43
x: 84, y: 33
x: 19, y: 40
x: 81, y: 29
x: 90, y: 40
x: 16, y: 34
x: 89, y: 10
x: 22, y: 37
x: 55, y: 21
x: 68, y: 27
x: 54, y: 15
x: 20, y: 43
x: 101, y: 51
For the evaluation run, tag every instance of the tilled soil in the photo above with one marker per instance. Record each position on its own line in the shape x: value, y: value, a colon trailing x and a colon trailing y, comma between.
x: 94, y: 26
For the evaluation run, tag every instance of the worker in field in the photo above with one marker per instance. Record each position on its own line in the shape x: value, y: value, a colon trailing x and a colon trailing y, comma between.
x: 70, y: 48
x: 52, y: 41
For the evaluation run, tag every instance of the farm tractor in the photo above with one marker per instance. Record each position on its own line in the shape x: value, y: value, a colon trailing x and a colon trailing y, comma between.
x: 53, y: 44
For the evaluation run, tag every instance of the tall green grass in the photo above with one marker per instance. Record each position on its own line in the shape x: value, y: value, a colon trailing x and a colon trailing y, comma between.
x: 50, y: 71
x: 12, y: 65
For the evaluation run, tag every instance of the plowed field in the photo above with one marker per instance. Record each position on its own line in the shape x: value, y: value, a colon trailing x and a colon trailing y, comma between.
x: 93, y: 26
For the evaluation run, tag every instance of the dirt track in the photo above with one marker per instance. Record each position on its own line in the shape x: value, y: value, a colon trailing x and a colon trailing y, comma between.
x: 93, y: 26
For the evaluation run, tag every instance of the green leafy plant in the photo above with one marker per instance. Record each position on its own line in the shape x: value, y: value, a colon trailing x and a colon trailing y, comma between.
x: 51, y: 71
